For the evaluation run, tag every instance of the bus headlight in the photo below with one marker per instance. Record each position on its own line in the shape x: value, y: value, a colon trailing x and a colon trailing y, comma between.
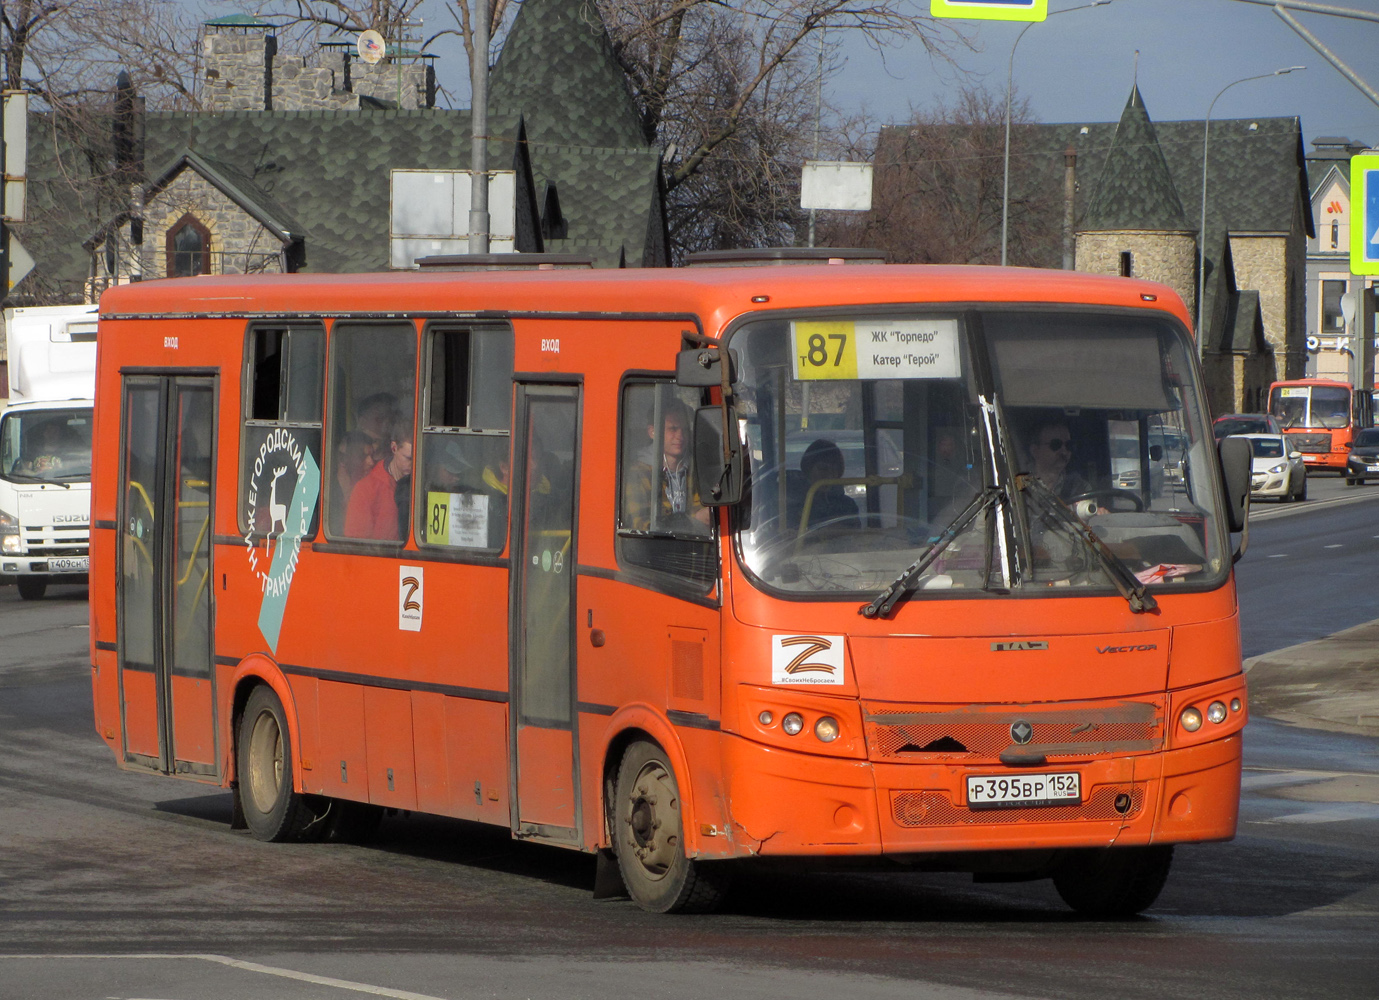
x: 9, y: 534
x: 826, y: 729
x: 1191, y: 719
x: 792, y: 724
x: 1216, y: 712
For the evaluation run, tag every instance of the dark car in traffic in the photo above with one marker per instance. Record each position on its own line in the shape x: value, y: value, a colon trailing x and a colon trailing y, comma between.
x: 1244, y: 423
x: 1363, y: 461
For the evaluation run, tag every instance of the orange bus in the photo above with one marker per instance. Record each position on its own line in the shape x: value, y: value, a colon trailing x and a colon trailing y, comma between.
x: 683, y: 567
x: 1320, y: 417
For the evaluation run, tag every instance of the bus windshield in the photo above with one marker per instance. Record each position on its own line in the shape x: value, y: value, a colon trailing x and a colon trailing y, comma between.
x: 1325, y: 406
x: 49, y: 445
x: 865, y: 439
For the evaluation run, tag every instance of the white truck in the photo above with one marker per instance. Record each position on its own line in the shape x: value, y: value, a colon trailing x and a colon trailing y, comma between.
x: 45, y: 447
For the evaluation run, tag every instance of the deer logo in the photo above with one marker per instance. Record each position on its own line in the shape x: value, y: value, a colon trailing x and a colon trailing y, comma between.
x: 277, y: 512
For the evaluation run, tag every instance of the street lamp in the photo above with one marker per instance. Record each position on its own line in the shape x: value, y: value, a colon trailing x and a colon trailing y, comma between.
x: 1202, y: 219
x: 1010, y: 76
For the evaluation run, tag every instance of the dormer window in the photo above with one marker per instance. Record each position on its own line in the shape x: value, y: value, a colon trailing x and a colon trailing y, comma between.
x: 189, y: 248
x: 1335, y: 233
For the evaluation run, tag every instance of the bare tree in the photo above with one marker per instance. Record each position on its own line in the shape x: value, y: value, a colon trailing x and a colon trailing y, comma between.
x: 938, y: 186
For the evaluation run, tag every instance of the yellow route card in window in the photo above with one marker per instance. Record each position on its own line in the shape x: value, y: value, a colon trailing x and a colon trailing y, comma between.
x: 876, y: 348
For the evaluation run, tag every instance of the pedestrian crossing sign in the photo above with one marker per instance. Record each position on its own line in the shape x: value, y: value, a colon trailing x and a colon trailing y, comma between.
x: 1364, y: 213
x: 991, y: 10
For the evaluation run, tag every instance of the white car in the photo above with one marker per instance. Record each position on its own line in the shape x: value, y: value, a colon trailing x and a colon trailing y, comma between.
x: 1277, y: 469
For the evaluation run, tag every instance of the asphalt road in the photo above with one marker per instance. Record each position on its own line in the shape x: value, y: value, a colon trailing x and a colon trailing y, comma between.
x: 1311, y: 568
x: 118, y: 885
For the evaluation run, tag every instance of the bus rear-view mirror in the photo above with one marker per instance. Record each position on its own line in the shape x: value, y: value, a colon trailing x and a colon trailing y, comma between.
x: 701, y: 367
x: 717, y: 474
x: 1236, y: 460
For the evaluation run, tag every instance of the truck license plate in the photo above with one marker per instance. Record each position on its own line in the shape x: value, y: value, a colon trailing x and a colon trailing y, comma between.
x: 1013, y: 791
x: 70, y: 564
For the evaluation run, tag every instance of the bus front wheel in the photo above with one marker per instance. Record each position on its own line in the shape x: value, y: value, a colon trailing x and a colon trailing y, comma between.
x: 649, y: 839
x: 273, y: 810
x: 1113, y: 882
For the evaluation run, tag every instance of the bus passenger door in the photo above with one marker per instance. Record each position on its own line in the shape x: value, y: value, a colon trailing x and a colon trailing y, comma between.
x: 166, y: 468
x: 545, y: 785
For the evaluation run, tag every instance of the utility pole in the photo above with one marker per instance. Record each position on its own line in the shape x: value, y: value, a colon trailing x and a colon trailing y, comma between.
x: 478, y: 115
x: 4, y: 185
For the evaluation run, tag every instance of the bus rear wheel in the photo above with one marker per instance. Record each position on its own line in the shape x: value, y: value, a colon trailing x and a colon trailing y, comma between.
x: 273, y: 810
x: 31, y: 589
x: 648, y: 837
x: 1113, y: 882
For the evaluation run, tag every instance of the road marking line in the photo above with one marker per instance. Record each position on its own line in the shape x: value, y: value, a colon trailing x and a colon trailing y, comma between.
x: 1311, y: 505
x: 1334, y: 814
x: 1278, y: 555
x: 1336, y: 546
x: 268, y: 970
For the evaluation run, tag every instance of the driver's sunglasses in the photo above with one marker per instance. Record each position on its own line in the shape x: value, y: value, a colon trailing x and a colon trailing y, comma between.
x: 1059, y: 444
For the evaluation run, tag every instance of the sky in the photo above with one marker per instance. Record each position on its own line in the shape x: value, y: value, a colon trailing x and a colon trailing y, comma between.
x: 1080, y: 66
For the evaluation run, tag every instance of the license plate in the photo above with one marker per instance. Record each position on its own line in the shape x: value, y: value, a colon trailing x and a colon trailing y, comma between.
x: 1011, y: 791
x: 71, y: 564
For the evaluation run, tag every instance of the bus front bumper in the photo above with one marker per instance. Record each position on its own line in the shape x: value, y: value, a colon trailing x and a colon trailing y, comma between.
x: 791, y: 804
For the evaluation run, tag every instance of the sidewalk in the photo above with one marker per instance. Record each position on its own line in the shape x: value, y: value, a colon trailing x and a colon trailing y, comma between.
x: 1331, y: 684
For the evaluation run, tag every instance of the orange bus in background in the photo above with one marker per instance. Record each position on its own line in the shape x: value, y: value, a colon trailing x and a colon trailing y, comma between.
x: 1320, y: 417
x: 682, y: 567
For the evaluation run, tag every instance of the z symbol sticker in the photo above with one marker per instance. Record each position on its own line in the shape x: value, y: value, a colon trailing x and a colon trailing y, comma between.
x: 807, y: 659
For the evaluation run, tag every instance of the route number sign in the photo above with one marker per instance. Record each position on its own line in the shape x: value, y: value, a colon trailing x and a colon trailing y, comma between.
x: 1364, y: 213
x: 875, y: 349
x: 991, y: 10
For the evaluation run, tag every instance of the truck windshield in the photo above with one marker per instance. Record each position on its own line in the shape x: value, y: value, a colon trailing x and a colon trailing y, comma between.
x: 46, y: 445
x: 865, y: 440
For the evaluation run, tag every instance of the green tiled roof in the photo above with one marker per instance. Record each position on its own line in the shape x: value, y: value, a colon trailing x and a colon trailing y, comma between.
x: 1134, y: 189
x: 609, y: 198
x: 333, y: 168
x: 557, y: 69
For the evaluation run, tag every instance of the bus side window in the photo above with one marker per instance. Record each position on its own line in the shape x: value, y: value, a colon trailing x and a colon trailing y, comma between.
x: 662, y: 526
x: 368, y: 476
x: 462, y: 502
x: 284, y: 381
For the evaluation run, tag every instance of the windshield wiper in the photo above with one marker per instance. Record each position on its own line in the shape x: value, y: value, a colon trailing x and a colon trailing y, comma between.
x: 1134, y: 592
x: 905, y: 582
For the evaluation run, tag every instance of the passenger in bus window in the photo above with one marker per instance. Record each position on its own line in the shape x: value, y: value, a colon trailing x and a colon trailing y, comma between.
x: 354, y: 457
x: 680, y: 509
x: 374, y: 416
x: 373, y: 507
x: 1050, y: 450
x: 822, y: 468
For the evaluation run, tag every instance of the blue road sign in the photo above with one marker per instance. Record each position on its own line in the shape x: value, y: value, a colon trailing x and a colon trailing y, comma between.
x: 1364, y: 213
x: 991, y: 10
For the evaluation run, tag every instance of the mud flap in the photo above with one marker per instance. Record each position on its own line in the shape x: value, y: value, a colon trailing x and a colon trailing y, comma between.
x: 607, y: 879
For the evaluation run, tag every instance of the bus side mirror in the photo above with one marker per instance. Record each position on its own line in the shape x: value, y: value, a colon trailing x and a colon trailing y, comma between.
x: 717, y: 479
x: 700, y: 368
x: 1236, y: 460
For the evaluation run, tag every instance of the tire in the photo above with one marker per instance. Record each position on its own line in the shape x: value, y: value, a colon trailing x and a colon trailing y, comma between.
x: 1351, y: 482
x: 648, y: 837
x: 1302, y: 493
x: 1115, y: 882
x: 31, y: 589
x: 273, y: 811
